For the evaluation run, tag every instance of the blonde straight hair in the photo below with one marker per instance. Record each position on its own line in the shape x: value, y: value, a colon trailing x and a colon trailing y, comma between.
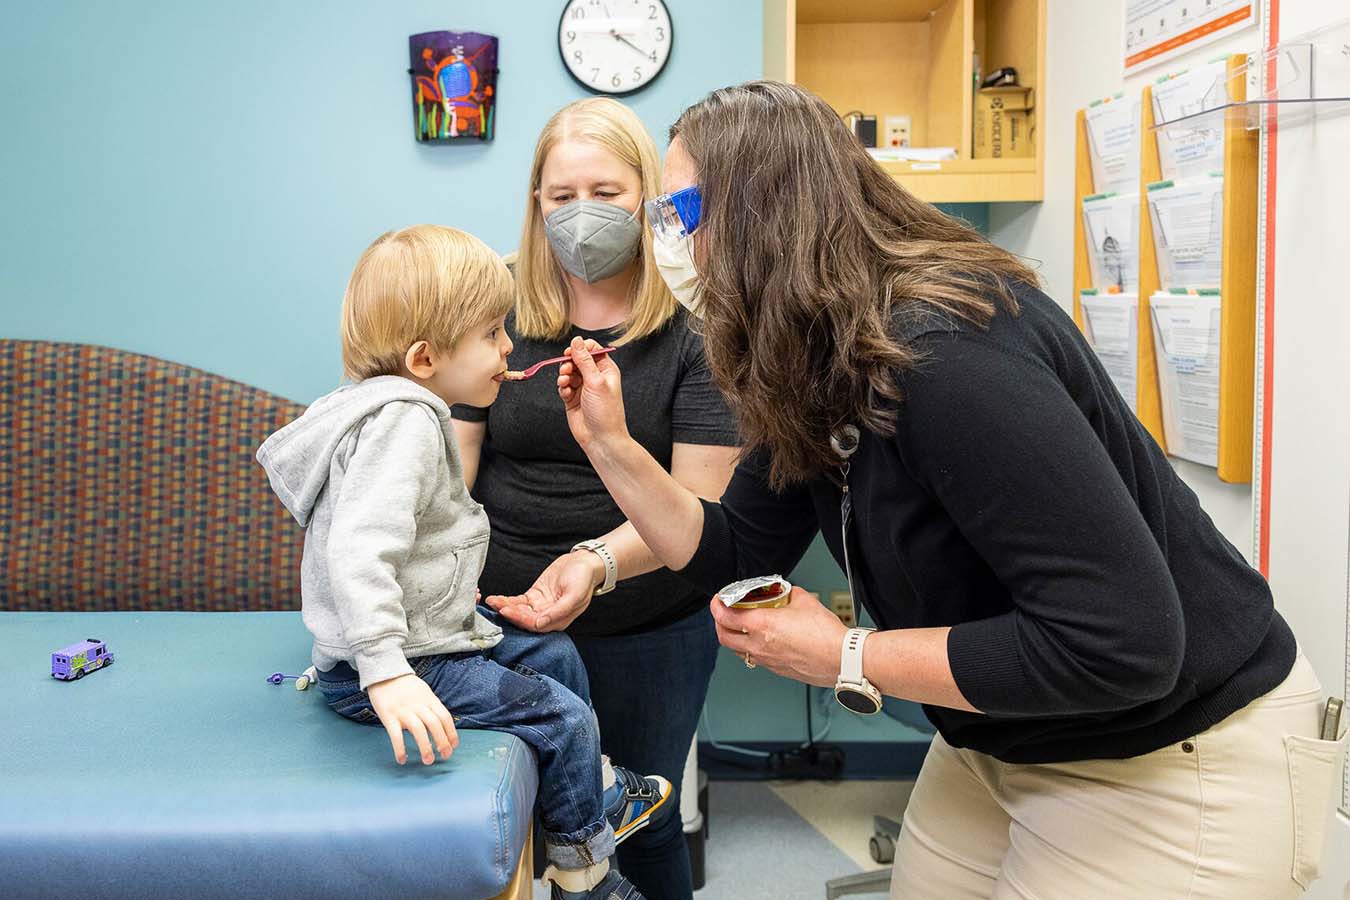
x: 542, y: 304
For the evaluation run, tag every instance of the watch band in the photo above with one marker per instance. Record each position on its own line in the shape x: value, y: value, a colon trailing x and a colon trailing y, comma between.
x: 611, y: 567
x: 851, y: 657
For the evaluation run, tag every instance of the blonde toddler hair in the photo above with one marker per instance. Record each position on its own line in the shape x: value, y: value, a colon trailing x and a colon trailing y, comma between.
x: 422, y: 283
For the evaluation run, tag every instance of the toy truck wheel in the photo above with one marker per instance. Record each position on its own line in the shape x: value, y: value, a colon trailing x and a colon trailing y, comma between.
x: 79, y: 673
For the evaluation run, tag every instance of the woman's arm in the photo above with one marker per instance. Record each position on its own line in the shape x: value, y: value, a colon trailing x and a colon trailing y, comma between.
x: 703, y: 471
x: 664, y: 512
x: 564, y: 590
x: 469, y: 436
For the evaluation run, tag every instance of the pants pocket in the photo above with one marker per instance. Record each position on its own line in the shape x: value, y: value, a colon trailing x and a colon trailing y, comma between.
x: 355, y: 707
x: 1312, y: 775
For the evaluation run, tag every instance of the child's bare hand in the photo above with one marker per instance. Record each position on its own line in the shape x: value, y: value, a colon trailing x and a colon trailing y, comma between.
x: 406, y: 704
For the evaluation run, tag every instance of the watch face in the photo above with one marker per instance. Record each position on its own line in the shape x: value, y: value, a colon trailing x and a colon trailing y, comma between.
x: 615, y: 47
x: 856, y: 701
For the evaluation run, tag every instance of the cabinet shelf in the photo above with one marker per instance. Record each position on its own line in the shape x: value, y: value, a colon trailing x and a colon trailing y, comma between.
x: 916, y: 58
x: 969, y: 180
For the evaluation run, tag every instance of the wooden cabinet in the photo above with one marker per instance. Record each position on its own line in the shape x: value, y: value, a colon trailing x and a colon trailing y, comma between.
x: 916, y: 58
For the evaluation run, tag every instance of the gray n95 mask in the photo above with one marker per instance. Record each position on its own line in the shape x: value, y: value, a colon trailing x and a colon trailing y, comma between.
x: 593, y: 240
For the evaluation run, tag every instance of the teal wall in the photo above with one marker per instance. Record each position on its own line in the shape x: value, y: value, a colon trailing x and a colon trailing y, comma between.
x: 195, y: 181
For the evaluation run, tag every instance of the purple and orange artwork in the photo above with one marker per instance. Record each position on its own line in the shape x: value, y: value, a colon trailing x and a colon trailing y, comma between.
x: 454, y: 81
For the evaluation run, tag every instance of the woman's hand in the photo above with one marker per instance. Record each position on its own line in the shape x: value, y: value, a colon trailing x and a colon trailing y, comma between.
x: 802, y: 641
x: 592, y: 392
x: 562, y: 592
x: 406, y: 703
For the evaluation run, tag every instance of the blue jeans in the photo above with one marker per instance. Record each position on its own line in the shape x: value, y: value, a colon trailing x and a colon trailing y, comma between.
x: 534, y: 687
x: 648, y: 691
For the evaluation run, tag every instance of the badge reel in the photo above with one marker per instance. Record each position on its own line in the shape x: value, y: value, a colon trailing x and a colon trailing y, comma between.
x: 852, y: 689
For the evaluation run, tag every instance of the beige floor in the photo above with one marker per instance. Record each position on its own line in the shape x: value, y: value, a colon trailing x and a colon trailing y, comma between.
x: 842, y: 810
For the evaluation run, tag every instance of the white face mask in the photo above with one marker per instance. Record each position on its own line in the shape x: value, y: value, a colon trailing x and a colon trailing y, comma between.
x: 675, y: 262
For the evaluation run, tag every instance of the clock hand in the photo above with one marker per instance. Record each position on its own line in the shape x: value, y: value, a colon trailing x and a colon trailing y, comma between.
x: 619, y: 37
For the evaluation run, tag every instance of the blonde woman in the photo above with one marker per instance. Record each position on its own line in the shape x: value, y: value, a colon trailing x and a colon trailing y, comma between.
x: 585, y: 268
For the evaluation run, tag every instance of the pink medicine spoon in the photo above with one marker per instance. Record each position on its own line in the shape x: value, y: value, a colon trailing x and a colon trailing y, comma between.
x: 509, y: 375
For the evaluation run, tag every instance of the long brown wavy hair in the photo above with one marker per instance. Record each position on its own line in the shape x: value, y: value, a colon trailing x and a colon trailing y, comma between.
x: 808, y: 255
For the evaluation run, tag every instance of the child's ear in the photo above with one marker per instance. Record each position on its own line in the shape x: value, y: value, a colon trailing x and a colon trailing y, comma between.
x: 418, y: 360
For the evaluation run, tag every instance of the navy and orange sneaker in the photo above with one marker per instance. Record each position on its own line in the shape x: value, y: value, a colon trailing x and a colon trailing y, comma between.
x: 633, y: 802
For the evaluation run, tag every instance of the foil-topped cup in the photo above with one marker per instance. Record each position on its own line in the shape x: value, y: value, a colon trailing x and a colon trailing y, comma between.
x: 764, y: 592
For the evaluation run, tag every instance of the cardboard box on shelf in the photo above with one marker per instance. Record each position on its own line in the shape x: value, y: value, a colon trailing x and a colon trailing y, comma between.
x: 1003, y: 123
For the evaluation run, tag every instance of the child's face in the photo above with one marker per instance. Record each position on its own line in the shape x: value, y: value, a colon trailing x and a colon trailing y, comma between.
x: 472, y: 372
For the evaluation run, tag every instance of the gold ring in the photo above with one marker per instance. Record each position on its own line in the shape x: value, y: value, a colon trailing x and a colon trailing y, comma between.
x: 749, y: 661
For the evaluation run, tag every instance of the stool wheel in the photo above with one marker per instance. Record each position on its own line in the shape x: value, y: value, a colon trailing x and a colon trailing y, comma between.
x: 882, y: 848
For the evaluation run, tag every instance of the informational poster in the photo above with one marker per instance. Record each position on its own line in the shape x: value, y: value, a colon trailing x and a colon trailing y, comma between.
x: 1112, y: 322
x: 1158, y: 30
x: 1111, y: 225
x: 1191, y: 145
x: 1113, y: 144
x: 1186, y: 338
x: 1188, y: 231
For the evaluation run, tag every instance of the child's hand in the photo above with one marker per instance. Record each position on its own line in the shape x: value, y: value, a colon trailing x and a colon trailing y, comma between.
x: 406, y: 703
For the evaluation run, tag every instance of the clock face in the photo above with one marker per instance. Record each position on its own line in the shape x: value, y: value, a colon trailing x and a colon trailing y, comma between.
x: 615, y: 46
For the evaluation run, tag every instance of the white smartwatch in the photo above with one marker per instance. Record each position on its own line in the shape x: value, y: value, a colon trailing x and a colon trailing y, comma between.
x: 611, y: 567
x: 853, y: 691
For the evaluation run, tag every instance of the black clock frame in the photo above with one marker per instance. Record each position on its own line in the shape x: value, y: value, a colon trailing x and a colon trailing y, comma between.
x: 562, y: 57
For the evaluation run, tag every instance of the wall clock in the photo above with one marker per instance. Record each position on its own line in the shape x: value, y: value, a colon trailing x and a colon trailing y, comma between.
x: 615, y: 47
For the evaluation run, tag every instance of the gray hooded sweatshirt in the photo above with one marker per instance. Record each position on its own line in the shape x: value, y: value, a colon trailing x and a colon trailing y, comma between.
x: 394, y: 544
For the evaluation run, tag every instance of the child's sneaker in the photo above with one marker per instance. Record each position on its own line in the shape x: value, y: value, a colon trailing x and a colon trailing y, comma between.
x: 612, y: 887
x: 633, y: 802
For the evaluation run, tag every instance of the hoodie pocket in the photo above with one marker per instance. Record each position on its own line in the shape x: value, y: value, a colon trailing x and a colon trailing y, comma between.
x: 454, y: 612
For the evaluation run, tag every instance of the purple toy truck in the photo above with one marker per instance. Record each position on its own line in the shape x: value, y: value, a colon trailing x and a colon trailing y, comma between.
x: 70, y: 663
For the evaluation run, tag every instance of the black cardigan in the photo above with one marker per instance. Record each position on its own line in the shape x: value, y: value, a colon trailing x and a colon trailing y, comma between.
x: 1096, y: 611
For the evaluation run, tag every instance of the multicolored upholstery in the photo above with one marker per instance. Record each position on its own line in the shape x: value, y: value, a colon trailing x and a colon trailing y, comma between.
x: 128, y: 483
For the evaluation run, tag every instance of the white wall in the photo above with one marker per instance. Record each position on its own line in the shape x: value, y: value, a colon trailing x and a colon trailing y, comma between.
x: 1310, y: 456
x: 1310, y: 483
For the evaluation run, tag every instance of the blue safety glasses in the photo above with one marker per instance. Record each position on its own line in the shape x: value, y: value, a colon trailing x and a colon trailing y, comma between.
x: 672, y: 216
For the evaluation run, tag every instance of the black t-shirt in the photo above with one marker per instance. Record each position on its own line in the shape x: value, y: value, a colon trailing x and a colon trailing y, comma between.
x: 1096, y: 611
x: 541, y: 494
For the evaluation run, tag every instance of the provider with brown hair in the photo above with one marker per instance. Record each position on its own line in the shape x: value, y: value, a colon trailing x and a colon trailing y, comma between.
x: 1121, y: 711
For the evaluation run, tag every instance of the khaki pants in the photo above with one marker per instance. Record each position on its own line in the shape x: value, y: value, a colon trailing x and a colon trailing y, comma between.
x: 1240, y: 811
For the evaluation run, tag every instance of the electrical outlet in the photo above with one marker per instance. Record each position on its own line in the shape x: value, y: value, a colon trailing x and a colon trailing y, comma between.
x: 841, y: 604
x: 897, y: 131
